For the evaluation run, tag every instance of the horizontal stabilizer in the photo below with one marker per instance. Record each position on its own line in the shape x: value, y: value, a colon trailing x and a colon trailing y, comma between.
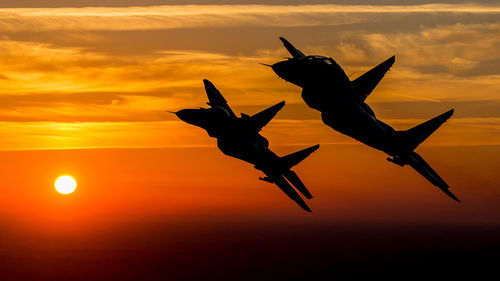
x: 364, y: 84
x: 295, y: 158
x: 259, y: 120
x: 418, y: 134
x: 288, y: 190
x: 215, y: 98
x: 293, y: 51
x: 292, y: 177
x: 419, y: 164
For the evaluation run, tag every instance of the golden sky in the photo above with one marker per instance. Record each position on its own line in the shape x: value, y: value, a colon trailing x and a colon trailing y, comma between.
x: 103, y: 76
x: 84, y: 90
x: 94, y: 77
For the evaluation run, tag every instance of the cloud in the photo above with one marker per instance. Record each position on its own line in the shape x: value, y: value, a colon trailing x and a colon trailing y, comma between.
x: 51, y: 83
x: 189, y: 16
x: 33, y: 66
x: 459, y: 46
x: 63, y: 135
x: 91, y: 71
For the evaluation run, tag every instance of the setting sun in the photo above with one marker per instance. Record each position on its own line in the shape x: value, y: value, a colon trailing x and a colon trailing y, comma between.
x: 285, y: 139
x: 65, y: 184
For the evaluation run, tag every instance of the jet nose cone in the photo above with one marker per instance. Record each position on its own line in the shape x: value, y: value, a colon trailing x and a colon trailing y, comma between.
x: 289, y: 70
x: 195, y: 117
x: 277, y: 66
x: 184, y: 115
x: 280, y: 68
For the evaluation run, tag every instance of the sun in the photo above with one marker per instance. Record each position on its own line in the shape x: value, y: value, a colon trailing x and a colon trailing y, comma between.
x: 65, y: 184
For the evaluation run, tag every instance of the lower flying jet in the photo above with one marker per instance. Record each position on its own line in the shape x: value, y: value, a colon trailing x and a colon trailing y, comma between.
x: 239, y: 137
x: 326, y: 88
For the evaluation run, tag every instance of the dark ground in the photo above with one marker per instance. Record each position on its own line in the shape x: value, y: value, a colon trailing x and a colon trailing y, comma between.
x: 256, y: 251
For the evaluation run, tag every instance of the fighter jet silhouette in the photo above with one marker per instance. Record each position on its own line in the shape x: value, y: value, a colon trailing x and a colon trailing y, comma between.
x: 326, y: 88
x: 239, y: 137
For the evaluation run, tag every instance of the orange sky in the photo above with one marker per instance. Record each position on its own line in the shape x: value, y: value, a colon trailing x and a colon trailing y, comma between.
x: 104, y: 76
x: 84, y: 90
x: 95, y: 82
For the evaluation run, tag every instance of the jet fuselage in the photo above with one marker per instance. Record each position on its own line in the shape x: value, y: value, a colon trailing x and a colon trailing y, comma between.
x: 326, y: 88
x: 239, y: 137
x: 233, y: 138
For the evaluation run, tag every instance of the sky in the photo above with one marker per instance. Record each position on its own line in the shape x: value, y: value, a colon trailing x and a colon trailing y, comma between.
x: 84, y: 90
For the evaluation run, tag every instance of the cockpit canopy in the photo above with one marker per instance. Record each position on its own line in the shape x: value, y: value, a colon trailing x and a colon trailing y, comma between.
x: 318, y: 58
x: 219, y: 112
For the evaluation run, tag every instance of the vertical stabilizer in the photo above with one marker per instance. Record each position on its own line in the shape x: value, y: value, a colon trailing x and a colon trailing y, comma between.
x: 215, y: 98
x: 292, y: 177
x: 296, y: 53
x: 419, y: 164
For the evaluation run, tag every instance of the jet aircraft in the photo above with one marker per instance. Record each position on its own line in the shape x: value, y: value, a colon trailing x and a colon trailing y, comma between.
x: 239, y: 137
x: 326, y: 88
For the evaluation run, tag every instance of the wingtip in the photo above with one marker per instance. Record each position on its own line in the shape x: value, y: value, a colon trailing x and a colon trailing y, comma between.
x: 451, y: 195
x: 280, y: 105
x: 456, y: 199
x: 390, y: 61
x: 302, y: 204
x: 207, y: 82
x: 448, y: 113
x: 308, y: 196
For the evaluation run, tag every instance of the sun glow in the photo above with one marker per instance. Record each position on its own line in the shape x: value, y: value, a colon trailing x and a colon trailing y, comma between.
x: 65, y: 184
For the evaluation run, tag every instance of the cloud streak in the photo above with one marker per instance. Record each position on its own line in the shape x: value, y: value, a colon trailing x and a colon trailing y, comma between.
x: 190, y: 16
x: 78, y: 91
x: 64, y: 135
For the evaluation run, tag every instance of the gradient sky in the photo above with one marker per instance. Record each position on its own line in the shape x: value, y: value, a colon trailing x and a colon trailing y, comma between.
x: 85, y: 85
x: 104, y: 76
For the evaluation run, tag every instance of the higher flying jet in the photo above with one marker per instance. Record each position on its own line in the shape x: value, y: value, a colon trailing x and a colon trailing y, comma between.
x: 239, y: 137
x: 326, y: 88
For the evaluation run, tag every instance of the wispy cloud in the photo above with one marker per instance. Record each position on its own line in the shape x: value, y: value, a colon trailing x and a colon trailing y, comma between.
x: 64, y: 84
x: 184, y: 16
x: 57, y: 135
